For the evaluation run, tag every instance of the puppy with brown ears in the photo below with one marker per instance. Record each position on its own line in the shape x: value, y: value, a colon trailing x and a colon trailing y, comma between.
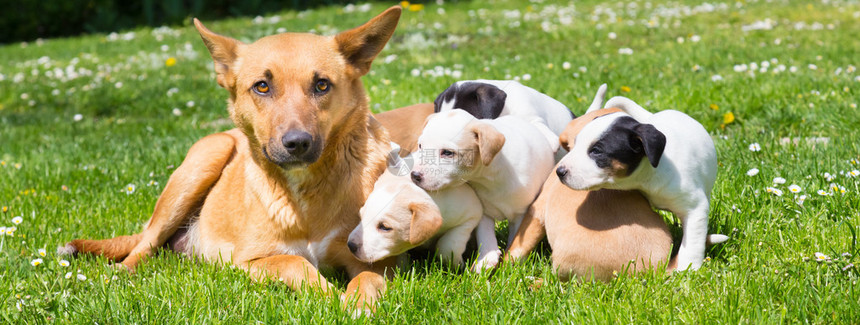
x: 399, y: 216
x: 505, y: 161
x: 592, y: 234
x: 278, y: 195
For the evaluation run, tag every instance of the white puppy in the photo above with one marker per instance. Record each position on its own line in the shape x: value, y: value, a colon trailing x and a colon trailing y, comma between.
x: 505, y: 161
x: 489, y: 99
x: 668, y: 156
x: 398, y: 216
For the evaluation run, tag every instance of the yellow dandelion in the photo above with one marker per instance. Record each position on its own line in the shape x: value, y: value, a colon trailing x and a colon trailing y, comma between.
x: 5, y: 209
x: 550, y: 65
x: 714, y: 107
x: 3, y: 163
x: 625, y: 89
x: 416, y: 7
x: 728, y: 118
x: 404, y: 4
x: 171, y: 61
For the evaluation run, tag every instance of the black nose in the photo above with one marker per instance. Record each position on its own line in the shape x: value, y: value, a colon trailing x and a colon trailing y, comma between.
x: 297, y: 142
x: 416, y: 177
x: 561, y: 171
x: 352, y: 246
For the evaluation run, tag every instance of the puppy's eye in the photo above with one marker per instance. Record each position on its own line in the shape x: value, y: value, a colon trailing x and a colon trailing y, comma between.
x: 419, y: 146
x: 383, y: 227
x: 445, y: 153
x: 322, y: 86
x: 595, y: 151
x: 261, y: 87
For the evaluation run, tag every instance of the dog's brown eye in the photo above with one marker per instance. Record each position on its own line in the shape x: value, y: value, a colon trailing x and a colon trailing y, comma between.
x: 322, y: 86
x: 447, y: 153
x: 382, y: 227
x: 261, y: 87
x: 594, y: 151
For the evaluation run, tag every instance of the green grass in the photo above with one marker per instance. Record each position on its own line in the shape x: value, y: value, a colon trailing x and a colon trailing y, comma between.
x: 767, y: 272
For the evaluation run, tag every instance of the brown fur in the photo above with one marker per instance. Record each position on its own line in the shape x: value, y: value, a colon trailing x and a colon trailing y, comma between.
x: 489, y: 141
x: 593, y: 233
x: 426, y: 221
x: 235, y: 205
x: 404, y: 125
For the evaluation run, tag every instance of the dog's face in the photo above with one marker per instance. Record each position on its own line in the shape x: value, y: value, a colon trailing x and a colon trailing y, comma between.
x: 396, y: 217
x: 482, y: 100
x: 290, y: 92
x: 453, y: 146
x: 609, y: 149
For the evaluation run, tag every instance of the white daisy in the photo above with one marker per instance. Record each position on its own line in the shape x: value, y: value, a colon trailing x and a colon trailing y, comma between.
x: 42, y: 252
x: 752, y: 172
x: 82, y: 277
x: 68, y: 275
x: 129, y: 189
x: 65, y: 263
x: 821, y: 257
x: 36, y: 262
x: 774, y: 191
x: 17, y: 220
x: 778, y: 180
x: 822, y: 192
x: 794, y: 188
x: 755, y: 147
x: 854, y: 173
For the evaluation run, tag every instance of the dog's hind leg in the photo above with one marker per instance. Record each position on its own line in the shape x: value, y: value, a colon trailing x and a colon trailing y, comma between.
x: 691, y: 254
x: 529, y: 234
x: 184, y: 194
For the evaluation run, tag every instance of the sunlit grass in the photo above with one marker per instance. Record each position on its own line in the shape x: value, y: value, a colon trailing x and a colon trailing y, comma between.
x: 70, y: 148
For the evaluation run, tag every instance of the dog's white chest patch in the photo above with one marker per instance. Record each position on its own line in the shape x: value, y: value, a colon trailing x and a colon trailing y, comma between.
x: 313, y: 251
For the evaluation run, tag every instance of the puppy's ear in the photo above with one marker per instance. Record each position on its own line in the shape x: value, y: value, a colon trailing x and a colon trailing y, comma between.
x: 426, y: 221
x: 360, y: 45
x: 490, y: 141
x: 563, y: 140
x: 224, y: 52
x: 491, y: 101
x: 446, y: 95
x: 653, y: 141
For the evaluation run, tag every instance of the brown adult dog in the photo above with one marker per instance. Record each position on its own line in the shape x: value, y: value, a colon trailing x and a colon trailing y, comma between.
x: 592, y: 233
x: 278, y: 195
x: 404, y: 125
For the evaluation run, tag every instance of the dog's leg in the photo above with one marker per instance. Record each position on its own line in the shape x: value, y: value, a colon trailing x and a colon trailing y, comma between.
x: 295, y: 271
x: 184, y: 193
x: 488, y: 245
x: 114, y: 249
x: 529, y: 234
x: 513, y: 227
x: 452, y: 244
x: 691, y: 254
x: 367, y: 284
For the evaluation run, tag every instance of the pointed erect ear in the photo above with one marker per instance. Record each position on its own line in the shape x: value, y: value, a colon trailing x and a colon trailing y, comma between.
x: 426, y: 221
x: 653, y: 141
x: 223, y: 50
x: 360, y: 45
x: 490, y: 141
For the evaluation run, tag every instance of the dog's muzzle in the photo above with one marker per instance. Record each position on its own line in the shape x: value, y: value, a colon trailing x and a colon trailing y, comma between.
x: 294, y: 148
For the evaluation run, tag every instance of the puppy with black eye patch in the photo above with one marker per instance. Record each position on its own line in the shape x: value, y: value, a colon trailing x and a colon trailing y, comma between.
x: 668, y: 156
x: 489, y: 99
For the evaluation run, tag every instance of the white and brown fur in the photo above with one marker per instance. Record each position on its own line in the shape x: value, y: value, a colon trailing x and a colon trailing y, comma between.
x: 247, y: 196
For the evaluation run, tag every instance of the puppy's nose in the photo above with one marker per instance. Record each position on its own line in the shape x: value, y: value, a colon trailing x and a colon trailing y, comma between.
x: 297, y: 142
x: 416, y: 176
x: 352, y: 246
x: 561, y: 171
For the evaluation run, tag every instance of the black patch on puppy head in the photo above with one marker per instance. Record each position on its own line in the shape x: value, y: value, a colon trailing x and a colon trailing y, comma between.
x: 624, y: 144
x: 481, y: 100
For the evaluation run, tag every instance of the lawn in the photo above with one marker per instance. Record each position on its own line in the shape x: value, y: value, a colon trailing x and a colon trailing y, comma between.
x: 93, y: 126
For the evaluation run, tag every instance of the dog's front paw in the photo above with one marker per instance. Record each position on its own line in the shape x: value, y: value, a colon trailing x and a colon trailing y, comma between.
x: 488, y: 261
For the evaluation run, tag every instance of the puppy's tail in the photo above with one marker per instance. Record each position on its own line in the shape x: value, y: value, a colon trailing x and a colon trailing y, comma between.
x: 599, y: 96
x: 630, y: 107
x: 711, y: 240
x: 115, y: 249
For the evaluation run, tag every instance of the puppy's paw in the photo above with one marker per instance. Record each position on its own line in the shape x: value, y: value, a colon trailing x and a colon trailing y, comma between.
x: 488, y: 261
